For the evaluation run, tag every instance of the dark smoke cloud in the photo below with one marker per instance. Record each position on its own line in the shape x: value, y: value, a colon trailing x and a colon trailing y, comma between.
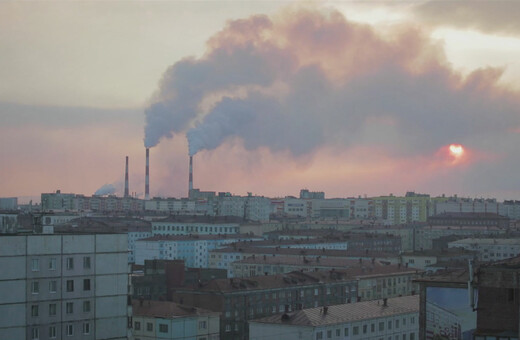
x: 313, y: 79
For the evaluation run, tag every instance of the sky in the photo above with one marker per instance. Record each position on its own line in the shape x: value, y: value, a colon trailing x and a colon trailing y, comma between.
x: 347, y: 97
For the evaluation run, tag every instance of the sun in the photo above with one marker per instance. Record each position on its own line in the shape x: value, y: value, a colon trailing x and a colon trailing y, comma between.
x: 456, y: 150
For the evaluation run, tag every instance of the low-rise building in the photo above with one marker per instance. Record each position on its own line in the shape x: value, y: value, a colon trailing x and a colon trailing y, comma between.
x: 196, y: 225
x: 396, y: 318
x: 154, y: 320
x: 490, y: 249
x: 424, y: 258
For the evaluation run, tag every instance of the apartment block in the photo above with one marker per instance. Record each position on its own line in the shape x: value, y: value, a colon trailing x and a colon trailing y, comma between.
x: 64, y: 287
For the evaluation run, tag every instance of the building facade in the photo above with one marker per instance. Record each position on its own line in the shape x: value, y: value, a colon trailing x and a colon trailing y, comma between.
x: 64, y: 287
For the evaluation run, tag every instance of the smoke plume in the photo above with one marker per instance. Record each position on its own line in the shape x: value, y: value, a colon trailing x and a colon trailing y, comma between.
x: 107, y: 189
x: 305, y: 79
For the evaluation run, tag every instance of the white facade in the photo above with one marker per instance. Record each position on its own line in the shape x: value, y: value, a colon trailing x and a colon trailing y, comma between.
x: 194, y: 251
x: 193, y: 228
x: 133, y: 236
x: 64, y: 286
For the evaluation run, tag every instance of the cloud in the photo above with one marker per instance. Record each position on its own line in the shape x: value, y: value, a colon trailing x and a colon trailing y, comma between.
x: 486, y: 16
x: 339, y: 77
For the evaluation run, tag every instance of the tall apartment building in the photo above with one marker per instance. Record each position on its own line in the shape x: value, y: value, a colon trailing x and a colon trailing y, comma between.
x: 401, y: 210
x: 64, y: 287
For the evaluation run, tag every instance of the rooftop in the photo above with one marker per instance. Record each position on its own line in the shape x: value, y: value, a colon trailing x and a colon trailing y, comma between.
x: 166, y: 309
x: 339, y: 314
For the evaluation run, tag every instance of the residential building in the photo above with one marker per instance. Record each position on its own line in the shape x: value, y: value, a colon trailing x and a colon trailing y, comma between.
x: 64, y: 286
x: 240, y: 300
x: 394, y: 210
x: 154, y: 320
x: 196, y: 225
x: 424, y: 258
x: 490, y: 249
x: 194, y: 249
x: 57, y: 201
x: 395, y: 318
x: 461, y: 219
x: 8, y: 203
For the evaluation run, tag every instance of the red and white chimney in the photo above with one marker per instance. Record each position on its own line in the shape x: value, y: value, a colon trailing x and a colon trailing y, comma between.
x: 190, y: 183
x: 126, y: 178
x: 147, y: 176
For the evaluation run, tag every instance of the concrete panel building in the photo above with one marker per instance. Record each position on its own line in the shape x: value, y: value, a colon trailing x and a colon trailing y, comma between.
x: 64, y: 286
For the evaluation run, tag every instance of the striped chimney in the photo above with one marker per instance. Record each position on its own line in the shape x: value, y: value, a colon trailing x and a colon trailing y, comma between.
x: 147, y: 176
x: 126, y: 178
x: 191, y: 175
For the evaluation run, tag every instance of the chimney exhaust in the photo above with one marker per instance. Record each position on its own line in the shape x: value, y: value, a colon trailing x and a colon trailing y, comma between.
x: 126, y: 178
x: 190, y: 183
x: 147, y: 176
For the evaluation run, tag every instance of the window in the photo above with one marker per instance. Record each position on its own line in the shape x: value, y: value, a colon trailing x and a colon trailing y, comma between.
x: 149, y: 327
x: 412, y: 336
x: 53, y: 285
x: 86, y: 327
x: 34, y: 310
x: 346, y: 331
x: 86, y: 284
x: 163, y: 328
x: 35, y: 287
x: 338, y: 332
x: 137, y: 325
x: 319, y: 335
x: 228, y: 328
x: 355, y: 330
x: 396, y: 323
x: 52, y: 332
x: 52, y: 266
x: 404, y: 321
x: 52, y: 309
x: 70, y: 285
x: 35, y: 265
x: 404, y: 336
x: 86, y: 262
x: 329, y: 334
x: 70, y: 263
x: 412, y: 319
x: 373, y: 327
x: 389, y: 325
x: 70, y: 330
x: 365, y: 329
x: 381, y: 326
x: 86, y: 306
x: 70, y: 307
x: 202, y: 325
x: 35, y: 333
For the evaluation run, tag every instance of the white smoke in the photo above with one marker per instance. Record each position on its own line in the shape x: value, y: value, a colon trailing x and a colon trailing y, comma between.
x: 107, y: 189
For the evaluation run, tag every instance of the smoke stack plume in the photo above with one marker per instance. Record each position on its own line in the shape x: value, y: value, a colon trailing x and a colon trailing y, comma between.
x: 126, y: 178
x: 147, y: 176
x: 191, y: 176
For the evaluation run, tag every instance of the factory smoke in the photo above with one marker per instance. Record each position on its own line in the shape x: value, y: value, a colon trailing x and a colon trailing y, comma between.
x: 306, y: 79
x: 107, y: 189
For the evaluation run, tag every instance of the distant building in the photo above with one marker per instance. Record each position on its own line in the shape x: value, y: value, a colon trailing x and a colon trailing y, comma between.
x: 469, y: 219
x: 424, y: 258
x: 64, y: 286
x: 196, y: 225
x: 154, y: 320
x: 8, y: 203
x: 490, y: 249
x: 395, y: 318
x: 306, y: 194
x: 57, y: 201
x: 394, y: 210
x: 8, y: 222
x: 194, y: 249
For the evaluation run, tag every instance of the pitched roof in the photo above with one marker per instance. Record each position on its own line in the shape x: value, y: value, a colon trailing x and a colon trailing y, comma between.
x: 338, y: 314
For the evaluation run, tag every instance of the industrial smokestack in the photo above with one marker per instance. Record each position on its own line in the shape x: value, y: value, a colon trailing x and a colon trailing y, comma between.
x: 147, y: 176
x: 190, y: 184
x: 126, y: 178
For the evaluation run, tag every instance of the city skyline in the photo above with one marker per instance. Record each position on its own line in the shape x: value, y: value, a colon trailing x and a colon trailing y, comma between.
x: 341, y: 97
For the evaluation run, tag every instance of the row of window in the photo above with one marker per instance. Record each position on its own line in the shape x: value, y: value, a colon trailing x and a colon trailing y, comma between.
x: 197, y: 229
x: 69, y: 307
x: 53, y: 286
x: 69, y: 331
x: 163, y: 328
x: 380, y: 328
x: 51, y: 265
